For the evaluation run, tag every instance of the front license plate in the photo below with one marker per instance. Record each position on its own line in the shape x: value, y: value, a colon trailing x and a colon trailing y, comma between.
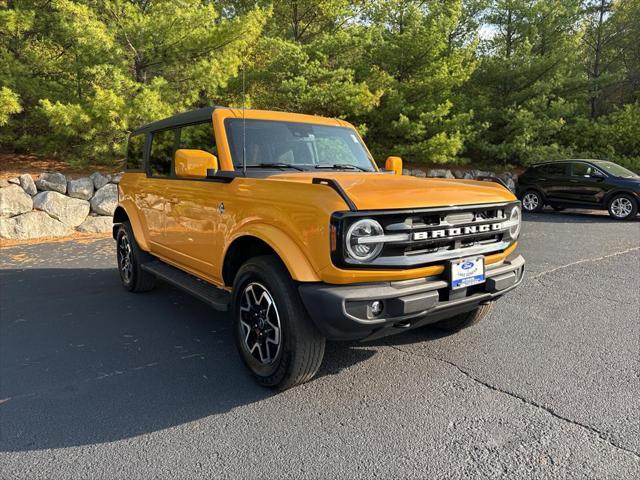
x: 466, y: 272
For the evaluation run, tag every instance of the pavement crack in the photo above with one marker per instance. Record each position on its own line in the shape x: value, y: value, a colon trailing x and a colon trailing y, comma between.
x: 585, y: 260
x: 522, y: 399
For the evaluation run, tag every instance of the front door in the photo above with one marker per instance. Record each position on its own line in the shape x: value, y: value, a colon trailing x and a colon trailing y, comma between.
x: 194, y: 209
x: 582, y: 186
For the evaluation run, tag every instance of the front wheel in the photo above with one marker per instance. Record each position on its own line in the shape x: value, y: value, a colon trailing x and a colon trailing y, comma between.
x: 623, y: 207
x: 464, y: 320
x: 276, y: 339
x: 532, y: 201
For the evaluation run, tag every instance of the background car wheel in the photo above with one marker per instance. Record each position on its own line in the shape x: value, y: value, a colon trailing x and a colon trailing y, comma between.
x: 130, y: 258
x: 276, y: 339
x: 532, y: 201
x: 464, y: 320
x: 623, y: 207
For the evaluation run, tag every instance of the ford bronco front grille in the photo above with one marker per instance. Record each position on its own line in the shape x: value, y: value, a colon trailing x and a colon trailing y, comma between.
x: 422, y: 237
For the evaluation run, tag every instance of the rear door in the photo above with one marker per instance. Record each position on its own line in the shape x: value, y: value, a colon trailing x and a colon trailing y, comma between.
x: 152, y: 193
x: 552, y: 179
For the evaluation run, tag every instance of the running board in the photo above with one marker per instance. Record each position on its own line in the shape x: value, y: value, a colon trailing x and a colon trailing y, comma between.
x: 214, y: 296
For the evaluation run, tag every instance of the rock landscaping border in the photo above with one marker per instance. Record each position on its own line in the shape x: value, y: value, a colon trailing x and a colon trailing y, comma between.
x: 53, y: 205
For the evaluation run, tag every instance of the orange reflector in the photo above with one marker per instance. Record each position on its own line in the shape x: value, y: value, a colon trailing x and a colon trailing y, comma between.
x: 333, y: 238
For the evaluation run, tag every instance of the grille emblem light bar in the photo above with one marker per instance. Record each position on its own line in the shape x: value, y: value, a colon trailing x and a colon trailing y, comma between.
x: 454, y: 232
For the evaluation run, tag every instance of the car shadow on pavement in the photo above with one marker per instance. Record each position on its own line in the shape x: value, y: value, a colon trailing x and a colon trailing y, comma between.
x: 84, y: 362
x: 574, y: 216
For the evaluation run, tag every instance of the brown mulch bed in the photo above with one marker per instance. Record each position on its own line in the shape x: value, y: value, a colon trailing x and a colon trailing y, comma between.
x: 12, y: 165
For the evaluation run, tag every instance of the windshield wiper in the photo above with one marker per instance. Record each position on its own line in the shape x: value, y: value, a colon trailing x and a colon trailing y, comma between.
x: 275, y: 165
x: 343, y: 166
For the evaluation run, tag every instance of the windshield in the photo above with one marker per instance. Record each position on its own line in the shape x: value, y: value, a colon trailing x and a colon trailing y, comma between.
x: 615, y: 169
x: 302, y: 145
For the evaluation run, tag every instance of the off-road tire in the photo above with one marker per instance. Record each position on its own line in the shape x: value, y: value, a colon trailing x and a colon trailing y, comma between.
x: 464, y: 320
x: 621, y: 203
x: 301, y: 348
x: 134, y: 279
x: 532, y: 201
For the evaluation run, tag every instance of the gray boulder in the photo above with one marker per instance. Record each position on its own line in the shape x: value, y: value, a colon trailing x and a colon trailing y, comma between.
x: 458, y: 174
x: 14, y: 201
x: 81, y: 188
x: 439, y: 173
x: 32, y: 225
x: 105, y: 200
x: 508, y: 180
x: 418, y: 173
x: 100, y: 224
x: 70, y: 211
x: 55, y: 182
x: 99, y: 180
x: 406, y: 171
x: 116, y: 177
x: 27, y: 184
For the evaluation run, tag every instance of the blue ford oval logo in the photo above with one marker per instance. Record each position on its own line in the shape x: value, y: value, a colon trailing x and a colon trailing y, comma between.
x: 466, y: 265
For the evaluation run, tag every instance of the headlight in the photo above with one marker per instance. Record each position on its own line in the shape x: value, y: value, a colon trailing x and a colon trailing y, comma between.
x: 360, y: 240
x: 515, y: 220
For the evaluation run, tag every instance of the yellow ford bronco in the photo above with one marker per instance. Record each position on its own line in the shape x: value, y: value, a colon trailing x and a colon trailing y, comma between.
x: 285, y: 220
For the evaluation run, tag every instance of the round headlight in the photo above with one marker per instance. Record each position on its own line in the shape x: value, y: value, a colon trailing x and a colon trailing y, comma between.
x: 515, y: 219
x: 359, y: 245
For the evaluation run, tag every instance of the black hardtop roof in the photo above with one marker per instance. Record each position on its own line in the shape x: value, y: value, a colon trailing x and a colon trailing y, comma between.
x: 193, y: 116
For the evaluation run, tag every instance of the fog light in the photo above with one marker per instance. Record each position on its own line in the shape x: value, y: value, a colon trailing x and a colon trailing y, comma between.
x: 375, y: 308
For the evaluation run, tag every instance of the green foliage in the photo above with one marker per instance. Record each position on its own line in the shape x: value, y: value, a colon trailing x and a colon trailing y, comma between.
x: 9, y: 104
x: 488, y: 81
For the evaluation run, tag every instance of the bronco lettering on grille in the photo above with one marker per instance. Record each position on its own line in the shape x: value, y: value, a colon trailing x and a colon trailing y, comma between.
x: 454, y: 232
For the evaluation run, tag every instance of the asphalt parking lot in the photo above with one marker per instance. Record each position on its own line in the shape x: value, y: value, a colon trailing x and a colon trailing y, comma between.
x: 100, y: 383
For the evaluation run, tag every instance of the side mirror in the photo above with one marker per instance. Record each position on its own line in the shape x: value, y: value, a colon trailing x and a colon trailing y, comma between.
x: 194, y: 163
x: 597, y: 175
x: 394, y: 164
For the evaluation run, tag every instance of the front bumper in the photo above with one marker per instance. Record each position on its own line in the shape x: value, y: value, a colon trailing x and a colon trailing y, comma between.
x: 341, y: 312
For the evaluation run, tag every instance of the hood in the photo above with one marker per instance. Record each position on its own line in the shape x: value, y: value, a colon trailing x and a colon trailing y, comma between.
x: 376, y: 191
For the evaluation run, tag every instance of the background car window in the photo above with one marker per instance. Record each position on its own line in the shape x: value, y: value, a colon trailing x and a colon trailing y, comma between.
x: 581, y: 170
x: 198, y: 137
x: 135, y: 149
x: 553, y: 169
x: 161, y: 156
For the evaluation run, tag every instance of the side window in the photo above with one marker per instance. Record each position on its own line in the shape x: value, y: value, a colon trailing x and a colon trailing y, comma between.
x: 581, y: 170
x: 135, y: 152
x: 161, y: 156
x: 198, y: 137
x: 554, y: 169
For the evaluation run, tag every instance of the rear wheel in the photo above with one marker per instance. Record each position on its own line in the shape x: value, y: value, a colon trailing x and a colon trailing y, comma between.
x: 532, y: 201
x: 464, y: 320
x: 276, y: 339
x: 623, y: 207
x: 130, y: 258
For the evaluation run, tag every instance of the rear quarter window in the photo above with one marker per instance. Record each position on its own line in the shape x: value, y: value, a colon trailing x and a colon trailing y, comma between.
x: 135, y: 152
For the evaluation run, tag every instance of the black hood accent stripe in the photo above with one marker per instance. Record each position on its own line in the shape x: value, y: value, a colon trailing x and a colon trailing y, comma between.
x: 330, y: 182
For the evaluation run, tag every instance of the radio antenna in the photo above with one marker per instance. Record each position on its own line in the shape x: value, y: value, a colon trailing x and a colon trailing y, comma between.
x: 244, y: 125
